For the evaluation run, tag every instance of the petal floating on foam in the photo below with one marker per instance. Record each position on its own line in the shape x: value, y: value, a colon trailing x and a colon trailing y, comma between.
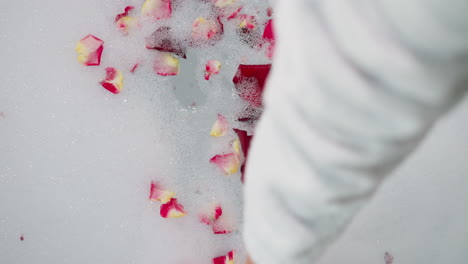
x: 269, y: 36
x: 223, y: 225
x: 163, y: 39
x: 157, y: 9
x: 250, y: 81
x: 220, y: 127
x: 228, y: 259
x: 124, y: 22
x: 228, y: 163
x: 212, y: 67
x: 172, y: 209
x: 211, y: 213
x: 166, y: 65
x: 158, y: 194
x: 224, y: 3
x: 113, y: 81
x: 204, y: 30
x: 89, y: 50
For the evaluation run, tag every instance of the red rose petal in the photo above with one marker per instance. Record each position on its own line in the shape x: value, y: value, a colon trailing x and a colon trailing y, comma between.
x: 166, y: 65
x: 228, y: 163
x: 228, y: 259
x: 159, y: 194
x: 211, y: 213
x: 250, y: 81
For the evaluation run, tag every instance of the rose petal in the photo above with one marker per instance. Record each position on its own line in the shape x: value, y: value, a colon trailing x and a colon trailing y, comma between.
x: 163, y: 40
x: 269, y: 11
x: 269, y: 32
x: 228, y: 163
x: 166, y: 65
x: 223, y: 225
x: 211, y: 213
x: 228, y: 259
x: 212, y: 67
x: 220, y: 127
x: 113, y: 81
x: 132, y: 70
x: 244, y: 139
x: 250, y: 81
x: 125, y: 13
x: 224, y: 3
x: 89, y: 50
x: 158, y: 194
x: 206, y: 30
x: 158, y: 9
x: 172, y: 209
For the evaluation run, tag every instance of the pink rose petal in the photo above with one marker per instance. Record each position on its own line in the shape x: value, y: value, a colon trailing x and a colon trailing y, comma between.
x: 228, y: 259
x: 172, y: 209
x: 89, y: 50
x: 212, y: 67
x: 220, y: 127
x: 206, y: 30
x: 166, y: 65
x: 228, y: 163
x: 113, y: 81
x: 132, y: 70
x: 158, y: 194
x: 163, y: 40
x: 157, y: 9
x: 250, y: 81
x: 223, y: 225
x: 124, y: 22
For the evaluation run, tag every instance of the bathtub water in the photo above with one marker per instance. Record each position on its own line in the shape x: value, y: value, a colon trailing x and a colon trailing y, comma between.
x: 76, y: 161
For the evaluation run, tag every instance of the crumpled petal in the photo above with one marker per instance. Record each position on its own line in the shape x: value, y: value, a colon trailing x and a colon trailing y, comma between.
x: 89, y: 50
x: 227, y: 163
x: 172, y: 209
x: 228, y: 259
x: 158, y: 194
x: 124, y: 22
x: 220, y: 127
x: 157, y: 9
x: 113, y: 81
x: 223, y: 225
x: 212, y: 67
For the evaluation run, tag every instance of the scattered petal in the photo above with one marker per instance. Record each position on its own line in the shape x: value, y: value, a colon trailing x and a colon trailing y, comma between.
x: 124, y: 22
x: 172, y: 209
x: 388, y: 258
x: 269, y: 11
x: 206, y: 30
x: 244, y: 139
x: 89, y: 50
x: 250, y: 81
x: 22, y: 238
x: 212, y: 67
x: 228, y: 259
x: 163, y: 40
x: 235, y: 13
x: 247, y: 22
x: 269, y: 32
x: 223, y: 225
x: 211, y: 213
x: 224, y: 3
x: 220, y: 127
x: 132, y: 70
x: 236, y: 147
x: 228, y: 163
x: 158, y: 194
x: 158, y: 9
x: 166, y: 65
x: 113, y: 81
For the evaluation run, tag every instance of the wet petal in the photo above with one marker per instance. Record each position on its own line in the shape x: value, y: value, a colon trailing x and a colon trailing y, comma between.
x: 220, y: 127
x: 157, y: 9
x: 250, y: 81
x: 89, y: 50
x: 228, y: 163
x: 212, y: 67
x: 158, y: 194
x: 113, y: 81
x: 206, y: 30
x: 223, y: 225
x: 166, y: 65
x: 172, y: 209
x: 124, y: 22
x: 163, y: 40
